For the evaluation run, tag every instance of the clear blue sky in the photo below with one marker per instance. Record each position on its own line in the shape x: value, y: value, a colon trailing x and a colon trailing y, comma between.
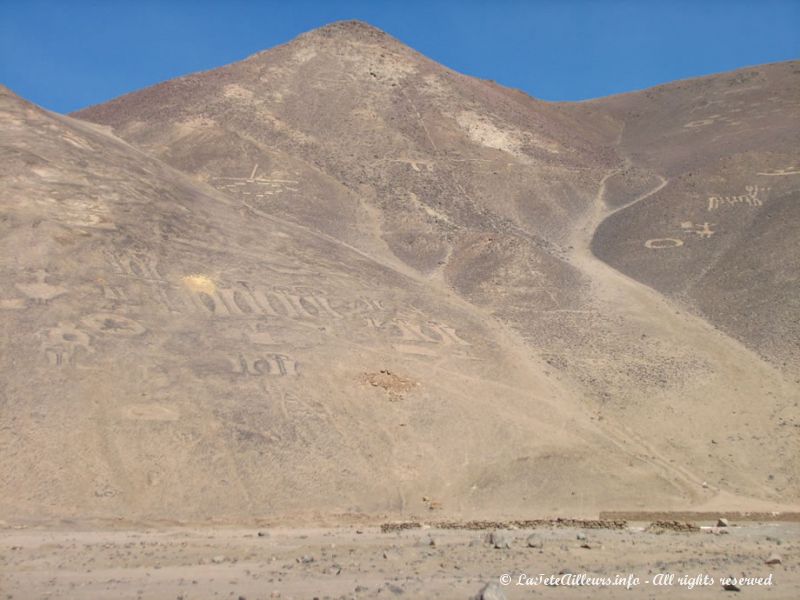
x: 68, y: 54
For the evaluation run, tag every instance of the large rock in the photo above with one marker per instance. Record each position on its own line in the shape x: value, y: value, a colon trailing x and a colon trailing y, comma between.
x: 491, y: 591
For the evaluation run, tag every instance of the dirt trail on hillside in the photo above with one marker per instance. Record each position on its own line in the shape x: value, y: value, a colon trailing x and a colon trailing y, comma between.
x: 736, y: 373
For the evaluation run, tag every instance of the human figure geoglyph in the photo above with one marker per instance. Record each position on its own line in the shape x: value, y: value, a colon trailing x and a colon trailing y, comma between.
x: 750, y: 197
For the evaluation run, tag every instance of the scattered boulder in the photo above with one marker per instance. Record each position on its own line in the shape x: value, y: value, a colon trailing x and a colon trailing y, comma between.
x: 491, y: 591
x: 395, y: 589
x: 534, y: 541
x: 581, y: 536
x: 217, y: 560
x: 730, y: 587
x: 391, y: 554
x: 305, y: 559
x: 499, y: 540
x: 723, y: 522
x: 774, y: 559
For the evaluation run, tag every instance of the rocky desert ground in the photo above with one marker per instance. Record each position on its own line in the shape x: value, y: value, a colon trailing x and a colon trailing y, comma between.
x: 635, y: 560
x: 337, y: 284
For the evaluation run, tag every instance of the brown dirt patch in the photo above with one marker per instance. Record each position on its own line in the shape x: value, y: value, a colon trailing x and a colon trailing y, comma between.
x: 392, y: 383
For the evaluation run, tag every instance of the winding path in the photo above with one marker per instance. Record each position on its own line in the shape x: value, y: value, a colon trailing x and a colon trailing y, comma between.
x: 736, y: 372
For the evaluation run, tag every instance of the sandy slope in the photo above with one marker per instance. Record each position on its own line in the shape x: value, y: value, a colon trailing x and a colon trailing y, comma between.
x: 179, y: 344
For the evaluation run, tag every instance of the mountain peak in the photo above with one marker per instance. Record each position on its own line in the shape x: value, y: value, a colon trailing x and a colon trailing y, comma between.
x: 342, y: 33
x: 350, y: 32
x: 349, y: 28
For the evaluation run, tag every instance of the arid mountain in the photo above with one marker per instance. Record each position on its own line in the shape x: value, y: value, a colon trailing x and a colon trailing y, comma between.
x: 728, y: 213
x: 339, y: 277
x: 171, y: 353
